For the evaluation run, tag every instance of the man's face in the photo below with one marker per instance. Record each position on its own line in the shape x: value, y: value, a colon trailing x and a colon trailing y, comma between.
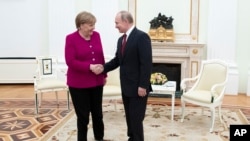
x: 120, y: 25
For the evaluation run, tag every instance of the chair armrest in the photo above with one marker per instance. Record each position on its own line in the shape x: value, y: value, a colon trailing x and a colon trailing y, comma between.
x: 61, y: 70
x: 185, y: 81
x: 35, y: 78
x: 217, y: 91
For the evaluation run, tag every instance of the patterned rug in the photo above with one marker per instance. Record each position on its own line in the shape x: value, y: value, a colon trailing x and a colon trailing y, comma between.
x: 158, y: 126
x: 55, y: 123
x: 19, y: 123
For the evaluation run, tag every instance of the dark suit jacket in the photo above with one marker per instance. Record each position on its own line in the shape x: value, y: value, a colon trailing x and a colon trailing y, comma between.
x: 135, y: 64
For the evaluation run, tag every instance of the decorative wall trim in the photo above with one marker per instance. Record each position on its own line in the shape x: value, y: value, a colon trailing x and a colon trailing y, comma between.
x: 192, y: 36
x: 233, y: 81
x: 164, y: 52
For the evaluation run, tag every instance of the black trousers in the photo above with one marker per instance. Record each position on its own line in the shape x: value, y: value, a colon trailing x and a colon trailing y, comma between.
x: 86, y: 101
x: 135, y: 109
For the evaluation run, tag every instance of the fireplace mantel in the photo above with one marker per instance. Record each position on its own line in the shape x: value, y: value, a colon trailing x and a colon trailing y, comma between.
x: 189, y: 55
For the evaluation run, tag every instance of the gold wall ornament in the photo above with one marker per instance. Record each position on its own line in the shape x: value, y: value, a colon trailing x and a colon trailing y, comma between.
x: 161, y: 34
x: 195, y: 51
x: 194, y: 38
x: 161, y: 28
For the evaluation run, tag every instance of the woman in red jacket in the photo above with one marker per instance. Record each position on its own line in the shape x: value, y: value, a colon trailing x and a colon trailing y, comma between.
x: 83, y: 49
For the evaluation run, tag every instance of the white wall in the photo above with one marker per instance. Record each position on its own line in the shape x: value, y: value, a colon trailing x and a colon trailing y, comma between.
x: 105, y: 13
x: 60, y: 23
x: 243, y: 45
x: 23, y: 30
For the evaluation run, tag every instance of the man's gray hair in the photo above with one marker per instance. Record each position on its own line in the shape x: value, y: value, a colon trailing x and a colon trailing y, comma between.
x: 125, y: 15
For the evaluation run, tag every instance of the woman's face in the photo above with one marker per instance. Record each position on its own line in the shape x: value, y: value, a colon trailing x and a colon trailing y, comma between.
x: 87, y: 29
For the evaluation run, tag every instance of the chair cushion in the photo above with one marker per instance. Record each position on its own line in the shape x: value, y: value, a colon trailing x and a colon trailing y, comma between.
x: 111, y: 90
x: 50, y: 84
x: 198, y: 95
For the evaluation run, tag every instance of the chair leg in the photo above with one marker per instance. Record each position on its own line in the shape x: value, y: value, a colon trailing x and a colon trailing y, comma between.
x: 57, y: 98
x: 182, y: 110
x: 220, y: 114
x: 36, y: 103
x: 40, y: 100
x: 212, y: 119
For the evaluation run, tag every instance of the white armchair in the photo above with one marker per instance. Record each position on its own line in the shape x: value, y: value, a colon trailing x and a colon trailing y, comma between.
x: 208, y: 88
x: 46, y: 80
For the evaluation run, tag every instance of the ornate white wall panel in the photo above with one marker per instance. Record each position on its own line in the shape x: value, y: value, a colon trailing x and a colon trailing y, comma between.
x: 233, y: 81
x: 188, y: 35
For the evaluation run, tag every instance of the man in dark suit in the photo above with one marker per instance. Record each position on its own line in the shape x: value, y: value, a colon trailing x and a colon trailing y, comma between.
x: 135, y: 61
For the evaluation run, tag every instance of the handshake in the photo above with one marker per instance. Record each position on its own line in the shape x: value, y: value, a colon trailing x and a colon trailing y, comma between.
x: 96, y: 68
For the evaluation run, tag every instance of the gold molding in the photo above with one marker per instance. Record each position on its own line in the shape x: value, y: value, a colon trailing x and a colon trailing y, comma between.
x: 194, y: 21
x: 191, y: 68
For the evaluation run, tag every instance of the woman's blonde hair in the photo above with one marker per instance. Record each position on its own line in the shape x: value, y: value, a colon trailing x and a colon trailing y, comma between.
x: 84, y: 17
